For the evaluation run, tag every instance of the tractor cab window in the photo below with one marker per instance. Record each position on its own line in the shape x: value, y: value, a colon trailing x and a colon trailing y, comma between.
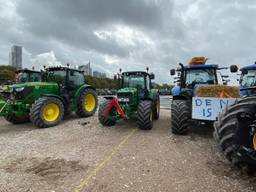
x: 57, y: 76
x: 35, y: 77
x: 22, y: 77
x: 248, y: 79
x: 76, y: 78
x: 200, y: 76
x: 134, y: 81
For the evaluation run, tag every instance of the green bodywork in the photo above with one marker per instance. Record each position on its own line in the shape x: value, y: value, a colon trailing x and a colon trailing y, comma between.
x: 17, y: 99
x: 135, y: 95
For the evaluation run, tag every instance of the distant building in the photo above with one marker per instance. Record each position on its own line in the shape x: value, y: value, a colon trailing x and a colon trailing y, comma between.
x: 99, y: 74
x: 86, y: 68
x: 15, y: 56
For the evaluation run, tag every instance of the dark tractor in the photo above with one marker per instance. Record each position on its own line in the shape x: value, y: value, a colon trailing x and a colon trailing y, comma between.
x: 135, y: 99
x: 235, y: 130
x: 188, y: 79
x: 63, y: 91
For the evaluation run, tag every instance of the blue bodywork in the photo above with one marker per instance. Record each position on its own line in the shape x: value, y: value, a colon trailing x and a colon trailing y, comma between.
x: 176, y: 90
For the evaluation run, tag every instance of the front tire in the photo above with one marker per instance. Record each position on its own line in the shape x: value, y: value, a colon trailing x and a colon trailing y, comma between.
x: 15, y: 119
x: 87, y: 103
x: 145, y: 115
x: 228, y: 135
x: 180, y: 115
x: 47, y: 112
x: 105, y: 121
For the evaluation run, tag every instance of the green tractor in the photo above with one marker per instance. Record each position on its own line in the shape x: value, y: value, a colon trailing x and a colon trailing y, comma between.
x: 135, y: 99
x: 63, y: 91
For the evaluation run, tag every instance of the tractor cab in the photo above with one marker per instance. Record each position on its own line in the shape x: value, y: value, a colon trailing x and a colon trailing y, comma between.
x: 248, y: 80
x: 139, y: 81
x: 195, y: 74
x: 26, y: 75
x: 69, y: 80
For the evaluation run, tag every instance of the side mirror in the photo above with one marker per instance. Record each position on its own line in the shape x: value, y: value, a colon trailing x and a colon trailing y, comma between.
x: 172, y: 72
x: 152, y: 76
x: 115, y: 77
x: 233, y: 68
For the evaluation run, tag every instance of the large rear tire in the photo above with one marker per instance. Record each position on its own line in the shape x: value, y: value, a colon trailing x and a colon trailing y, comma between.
x: 145, y: 115
x: 105, y: 121
x: 180, y: 115
x: 47, y: 112
x: 15, y: 119
x: 87, y: 103
x: 228, y: 135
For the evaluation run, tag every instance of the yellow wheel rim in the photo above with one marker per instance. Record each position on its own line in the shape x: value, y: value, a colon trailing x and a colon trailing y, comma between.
x: 51, y: 112
x: 90, y: 102
x: 254, y: 141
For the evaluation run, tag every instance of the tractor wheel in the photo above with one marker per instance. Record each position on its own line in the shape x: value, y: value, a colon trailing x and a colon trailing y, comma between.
x: 87, y: 103
x: 47, y: 112
x: 180, y: 114
x: 145, y: 115
x: 105, y: 121
x: 156, y: 108
x: 227, y: 133
x: 15, y: 119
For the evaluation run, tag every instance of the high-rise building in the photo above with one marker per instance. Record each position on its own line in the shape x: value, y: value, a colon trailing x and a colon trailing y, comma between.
x: 15, y: 56
x: 99, y: 74
x: 86, y: 68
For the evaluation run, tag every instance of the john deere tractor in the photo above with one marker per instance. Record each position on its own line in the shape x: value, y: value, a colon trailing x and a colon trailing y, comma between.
x: 187, y: 107
x: 135, y: 99
x: 235, y: 130
x: 64, y: 90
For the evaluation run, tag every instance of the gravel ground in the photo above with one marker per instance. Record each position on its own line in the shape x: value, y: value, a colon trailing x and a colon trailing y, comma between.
x: 79, y: 152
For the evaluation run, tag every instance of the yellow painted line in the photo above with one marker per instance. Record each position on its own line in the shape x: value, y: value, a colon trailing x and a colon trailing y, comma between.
x: 84, y: 183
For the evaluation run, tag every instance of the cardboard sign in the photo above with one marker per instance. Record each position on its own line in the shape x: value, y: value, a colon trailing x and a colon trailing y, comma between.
x: 208, y: 108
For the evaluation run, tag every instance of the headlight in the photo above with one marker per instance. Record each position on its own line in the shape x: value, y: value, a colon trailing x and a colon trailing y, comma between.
x: 123, y: 99
x: 19, y: 89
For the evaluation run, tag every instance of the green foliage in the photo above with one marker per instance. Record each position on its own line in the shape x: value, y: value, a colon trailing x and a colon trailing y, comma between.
x: 101, y: 83
x: 7, y: 72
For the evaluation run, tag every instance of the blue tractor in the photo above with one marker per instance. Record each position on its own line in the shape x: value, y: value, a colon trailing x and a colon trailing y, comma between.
x: 189, y: 78
x: 235, y: 129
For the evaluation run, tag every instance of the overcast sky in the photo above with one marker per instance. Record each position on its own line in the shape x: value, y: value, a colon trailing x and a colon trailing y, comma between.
x: 131, y: 34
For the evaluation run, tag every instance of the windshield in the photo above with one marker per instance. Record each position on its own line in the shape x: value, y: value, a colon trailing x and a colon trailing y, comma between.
x: 57, y: 76
x: 22, y: 77
x: 248, y: 79
x: 200, y: 76
x: 134, y: 81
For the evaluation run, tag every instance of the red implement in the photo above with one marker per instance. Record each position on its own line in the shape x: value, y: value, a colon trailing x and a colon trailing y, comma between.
x: 114, y: 103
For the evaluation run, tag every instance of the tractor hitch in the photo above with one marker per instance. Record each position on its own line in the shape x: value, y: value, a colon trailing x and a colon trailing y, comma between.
x: 114, y: 103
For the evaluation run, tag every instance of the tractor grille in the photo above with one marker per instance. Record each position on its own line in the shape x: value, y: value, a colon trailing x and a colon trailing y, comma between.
x: 122, y: 97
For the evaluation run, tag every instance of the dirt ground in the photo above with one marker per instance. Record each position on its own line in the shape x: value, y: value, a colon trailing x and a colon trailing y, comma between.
x: 81, y: 155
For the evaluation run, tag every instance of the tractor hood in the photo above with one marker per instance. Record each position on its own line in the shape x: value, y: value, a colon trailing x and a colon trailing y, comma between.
x: 127, y: 95
x: 127, y: 90
x: 19, y: 86
x: 29, y: 91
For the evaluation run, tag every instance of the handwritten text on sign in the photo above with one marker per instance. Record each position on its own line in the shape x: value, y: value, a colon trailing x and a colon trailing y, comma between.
x: 208, y: 108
